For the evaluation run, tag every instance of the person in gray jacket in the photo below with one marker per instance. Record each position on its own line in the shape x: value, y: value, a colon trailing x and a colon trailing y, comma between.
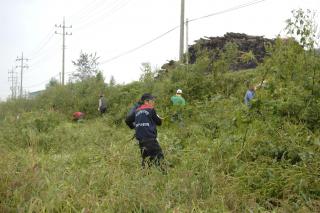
x: 102, y: 104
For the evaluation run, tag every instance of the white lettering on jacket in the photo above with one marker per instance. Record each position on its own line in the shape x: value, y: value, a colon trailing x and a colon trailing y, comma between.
x: 142, y: 112
x: 142, y: 124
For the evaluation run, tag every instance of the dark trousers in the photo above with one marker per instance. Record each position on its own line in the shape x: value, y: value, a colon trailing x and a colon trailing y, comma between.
x: 103, y: 110
x: 151, y: 152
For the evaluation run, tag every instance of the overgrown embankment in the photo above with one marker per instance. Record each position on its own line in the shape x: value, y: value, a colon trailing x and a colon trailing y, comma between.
x: 225, y: 157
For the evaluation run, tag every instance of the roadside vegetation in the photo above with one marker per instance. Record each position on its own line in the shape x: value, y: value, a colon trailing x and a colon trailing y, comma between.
x: 224, y: 157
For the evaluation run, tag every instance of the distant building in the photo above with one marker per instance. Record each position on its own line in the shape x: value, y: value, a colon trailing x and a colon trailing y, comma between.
x: 32, y: 95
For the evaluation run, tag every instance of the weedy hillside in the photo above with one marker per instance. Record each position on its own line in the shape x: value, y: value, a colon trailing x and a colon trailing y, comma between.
x: 223, y: 157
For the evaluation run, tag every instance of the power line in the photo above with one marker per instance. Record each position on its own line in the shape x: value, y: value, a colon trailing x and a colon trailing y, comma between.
x: 45, y: 81
x: 83, y: 9
x: 174, y: 28
x: 100, y: 6
x: 40, y: 50
x: 88, y: 10
x: 169, y: 31
x: 229, y: 10
x: 41, y: 59
x: 140, y: 46
x: 102, y: 15
x: 49, y: 36
x: 42, y: 44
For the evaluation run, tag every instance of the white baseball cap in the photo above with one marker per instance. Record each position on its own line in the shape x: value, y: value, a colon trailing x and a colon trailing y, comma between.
x: 179, y: 91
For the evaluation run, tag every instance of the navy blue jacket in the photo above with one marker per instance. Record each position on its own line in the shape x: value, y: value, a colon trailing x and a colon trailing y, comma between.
x: 145, y: 120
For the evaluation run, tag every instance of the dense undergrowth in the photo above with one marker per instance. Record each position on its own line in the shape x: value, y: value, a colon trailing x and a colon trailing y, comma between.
x: 224, y: 157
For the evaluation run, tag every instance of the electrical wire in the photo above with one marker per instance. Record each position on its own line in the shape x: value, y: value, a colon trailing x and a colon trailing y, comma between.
x: 42, y: 45
x: 191, y: 20
x: 90, y: 11
x: 46, y: 81
x: 39, y: 84
x: 140, y: 46
x: 41, y: 59
x: 100, y: 6
x: 102, y: 15
x: 84, y: 9
x: 229, y: 10
x: 172, y: 29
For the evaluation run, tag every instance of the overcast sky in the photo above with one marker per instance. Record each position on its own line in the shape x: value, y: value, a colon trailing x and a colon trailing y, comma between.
x: 113, y: 27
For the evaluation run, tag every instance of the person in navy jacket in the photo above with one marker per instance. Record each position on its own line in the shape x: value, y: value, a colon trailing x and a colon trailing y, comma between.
x: 145, y: 121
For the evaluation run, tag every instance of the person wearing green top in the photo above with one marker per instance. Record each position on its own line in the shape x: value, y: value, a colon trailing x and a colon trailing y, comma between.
x: 178, y: 102
x: 178, y: 99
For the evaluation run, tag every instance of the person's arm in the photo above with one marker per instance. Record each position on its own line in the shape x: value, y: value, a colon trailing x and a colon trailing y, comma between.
x: 130, y: 118
x: 156, y: 118
x: 183, y: 102
x: 261, y: 84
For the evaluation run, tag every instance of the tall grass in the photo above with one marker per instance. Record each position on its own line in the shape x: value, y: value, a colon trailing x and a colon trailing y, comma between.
x: 211, y: 165
x: 223, y: 157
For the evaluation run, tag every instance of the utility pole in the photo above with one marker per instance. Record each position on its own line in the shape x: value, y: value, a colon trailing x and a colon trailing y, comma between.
x: 21, y: 71
x: 64, y: 33
x: 181, y: 31
x: 187, y: 45
x: 13, y: 77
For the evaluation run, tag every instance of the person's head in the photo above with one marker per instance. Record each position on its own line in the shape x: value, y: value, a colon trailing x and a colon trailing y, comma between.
x: 179, y: 92
x: 147, y: 98
x: 252, y: 87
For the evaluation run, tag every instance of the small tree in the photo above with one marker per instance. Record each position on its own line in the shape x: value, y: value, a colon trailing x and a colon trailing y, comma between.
x: 87, y: 66
x: 112, y: 81
x: 248, y: 57
x: 147, y: 76
x: 53, y: 82
x: 231, y: 52
x: 303, y: 27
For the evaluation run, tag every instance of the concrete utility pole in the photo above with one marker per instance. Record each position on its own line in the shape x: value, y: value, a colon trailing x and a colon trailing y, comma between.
x: 13, y: 77
x: 21, y: 71
x: 64, y: 33
x: 181, y: 32
x: 187, y: 45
